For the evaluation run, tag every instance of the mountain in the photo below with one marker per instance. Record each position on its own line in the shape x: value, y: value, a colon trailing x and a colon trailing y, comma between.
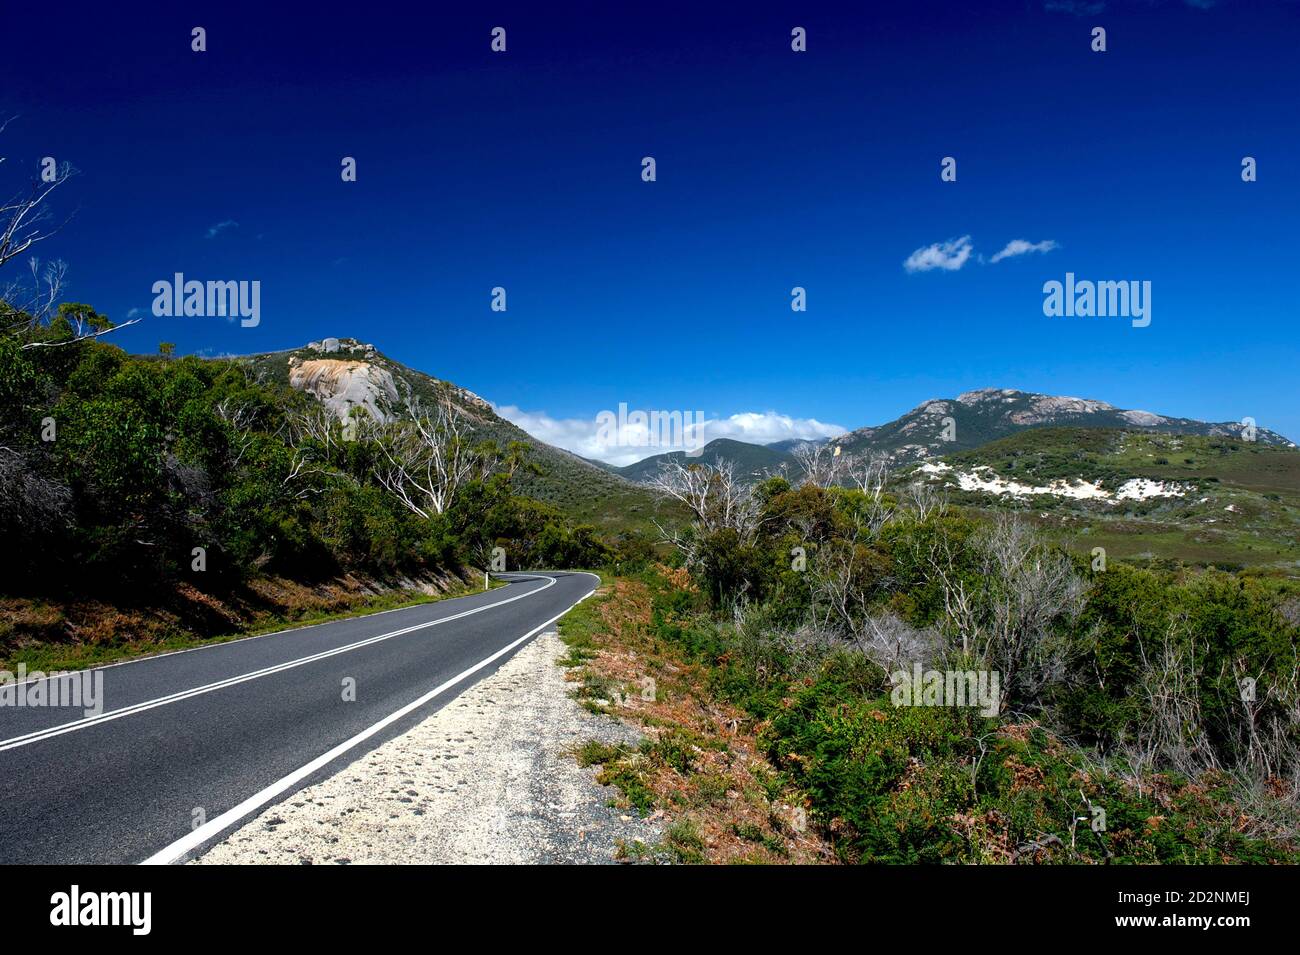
x: 344, y: 373
x: 1165, y: 486
x: 945, y: 425
x: 755, y: 461
x: 971, y: 420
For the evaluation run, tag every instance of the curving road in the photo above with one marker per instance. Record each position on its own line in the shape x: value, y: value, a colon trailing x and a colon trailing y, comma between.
x: 190, y: 743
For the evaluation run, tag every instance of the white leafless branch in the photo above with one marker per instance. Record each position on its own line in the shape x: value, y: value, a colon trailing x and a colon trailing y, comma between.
x: 716, y: 496
x: 427, y: 460
x: 22, y: 217
x: 823, y: 465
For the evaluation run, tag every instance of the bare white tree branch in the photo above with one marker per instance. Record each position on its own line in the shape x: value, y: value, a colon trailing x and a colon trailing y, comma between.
x: 22, y: 216
x: 716, y: 496
x: 823, y: 465
x: 428, y: 460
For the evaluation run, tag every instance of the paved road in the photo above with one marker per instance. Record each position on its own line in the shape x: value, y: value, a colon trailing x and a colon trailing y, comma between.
x: 189, y: 743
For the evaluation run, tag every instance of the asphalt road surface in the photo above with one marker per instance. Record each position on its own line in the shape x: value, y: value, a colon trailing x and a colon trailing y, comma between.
x: 188, y: 744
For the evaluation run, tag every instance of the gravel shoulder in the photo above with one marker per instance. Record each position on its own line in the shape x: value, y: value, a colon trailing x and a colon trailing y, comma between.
x: 489, y: 778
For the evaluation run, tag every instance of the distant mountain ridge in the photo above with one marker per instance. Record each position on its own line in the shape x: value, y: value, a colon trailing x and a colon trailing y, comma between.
x: 754, y: 461
x: 945, y: 425
x: 345, y: 373
x: 790, y: 444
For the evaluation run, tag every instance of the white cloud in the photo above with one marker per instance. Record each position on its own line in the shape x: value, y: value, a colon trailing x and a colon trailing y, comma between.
x: 953, y: 254
x: 581, y: 435
x: 220, y: 227
x: 1023, y: 247
x: 949, y: 256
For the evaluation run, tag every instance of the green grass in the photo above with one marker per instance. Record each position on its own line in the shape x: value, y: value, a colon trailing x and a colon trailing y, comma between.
x: 622, y: 767
x: 1040, y: 455
x: 683, y: 843
x: 578, y: 627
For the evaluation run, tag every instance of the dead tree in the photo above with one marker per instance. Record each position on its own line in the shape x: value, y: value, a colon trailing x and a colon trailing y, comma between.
x: 717, y: 498
x: 926, y: 501
x: 1174, y: 731
x: 23, y: 217
x: 1005, y: 608
x: 84, y: 325
x: 867, y: 472
x: 426, y: 461
x: 24, y: 222
x: 822, y: 464
x: 895, y: 644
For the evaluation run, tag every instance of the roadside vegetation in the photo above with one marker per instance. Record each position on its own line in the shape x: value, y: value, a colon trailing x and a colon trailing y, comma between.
x: 1144, y: 715
x: 150, y: 500
x: 700, y: 763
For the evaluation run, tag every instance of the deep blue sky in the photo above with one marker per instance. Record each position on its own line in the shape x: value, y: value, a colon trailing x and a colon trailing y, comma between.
x: 775, y: 169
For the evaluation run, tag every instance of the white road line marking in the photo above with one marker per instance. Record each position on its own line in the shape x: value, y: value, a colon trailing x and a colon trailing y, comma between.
x: 218, y: 644
x: 37, y: 736
x: 178, y: 849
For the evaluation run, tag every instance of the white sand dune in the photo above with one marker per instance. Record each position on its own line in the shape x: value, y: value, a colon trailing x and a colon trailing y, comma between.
x: 983, y: 479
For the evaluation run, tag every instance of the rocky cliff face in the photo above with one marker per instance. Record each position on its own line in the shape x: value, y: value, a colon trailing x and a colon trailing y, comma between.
x: 342, y: 385
x: 353, y: 379
x: 345, y: 373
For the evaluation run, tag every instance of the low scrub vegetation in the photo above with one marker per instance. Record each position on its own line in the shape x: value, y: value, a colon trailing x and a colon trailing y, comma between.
x: 1141, y: 715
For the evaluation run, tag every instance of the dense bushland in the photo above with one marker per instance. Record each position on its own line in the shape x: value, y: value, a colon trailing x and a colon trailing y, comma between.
x: 115, y: 468
x: 1162, y: 702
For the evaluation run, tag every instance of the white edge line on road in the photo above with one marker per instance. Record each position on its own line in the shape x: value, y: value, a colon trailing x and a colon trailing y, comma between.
x: 36, y: 736
x: 176, y: 851
x: 217, y: 643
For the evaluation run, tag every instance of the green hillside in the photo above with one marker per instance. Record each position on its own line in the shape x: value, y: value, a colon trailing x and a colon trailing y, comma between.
x: 1237, y: 502
x: 180, y: 499
x: 752, y: 460
x: 583, y: 490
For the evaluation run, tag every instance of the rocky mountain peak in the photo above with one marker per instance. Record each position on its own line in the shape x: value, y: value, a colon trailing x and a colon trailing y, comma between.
x: 942, y: 425
x: 981, y: 395
x: 333, y: 346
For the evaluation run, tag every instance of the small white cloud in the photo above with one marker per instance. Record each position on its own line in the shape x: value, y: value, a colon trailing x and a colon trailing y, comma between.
x: 1023, y: 247
x: 581, y: 435
x: 223, y: 226
x: 949, y: 256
